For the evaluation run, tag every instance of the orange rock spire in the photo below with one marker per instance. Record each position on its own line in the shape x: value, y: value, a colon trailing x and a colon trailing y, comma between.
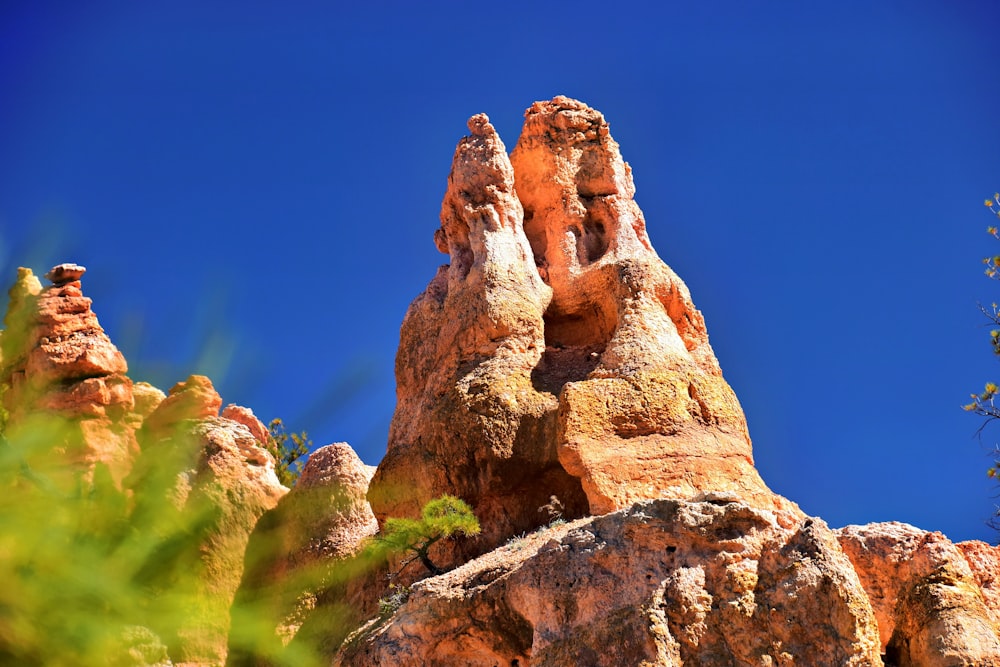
x: 556, y: 354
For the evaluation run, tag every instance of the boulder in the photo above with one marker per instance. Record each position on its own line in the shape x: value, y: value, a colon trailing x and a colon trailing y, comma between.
x: 665, y: 582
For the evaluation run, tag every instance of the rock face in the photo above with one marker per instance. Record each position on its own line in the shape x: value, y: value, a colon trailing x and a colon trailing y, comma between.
x: 64, y: 383
x: 984, y: 560
x: 556, y: 354
x: 928, y: 602
x: 296, y: 564
x: 662, y: 583
x: 471, y: 417
x: 220, y: 480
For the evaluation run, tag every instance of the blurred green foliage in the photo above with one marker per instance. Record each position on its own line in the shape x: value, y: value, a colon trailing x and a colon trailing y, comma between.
x: 94, y: 573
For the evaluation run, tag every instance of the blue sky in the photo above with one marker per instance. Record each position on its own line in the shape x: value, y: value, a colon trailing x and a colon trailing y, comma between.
x: 254, y: 190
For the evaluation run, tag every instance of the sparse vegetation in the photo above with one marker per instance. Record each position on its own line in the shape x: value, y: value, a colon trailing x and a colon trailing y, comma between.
x: 440, y: 519
x: 984, y: 403
x: 288, y: 450
x: 393, y: 600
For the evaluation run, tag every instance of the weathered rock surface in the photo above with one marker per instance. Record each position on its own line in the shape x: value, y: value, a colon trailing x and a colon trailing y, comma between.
x: 220, y: 480
x: 471, y: 418
x: 556, y: 354
x: 984, y: 560
x: 928, y: 602
x: 662, y: 583
x: 297, y: 576
x: 245, y: 416
x: 64, y: 382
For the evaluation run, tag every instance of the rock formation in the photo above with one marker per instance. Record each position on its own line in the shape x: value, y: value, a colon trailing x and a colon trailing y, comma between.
x: 929, y: 603
x: 64, y: 386
x: 555, y: 370
x: 471, y: 418
x: 556, y: 354
x: 665, y: 582
x: 557, y: 349
x: 220, y: 480
x: 298, y: 568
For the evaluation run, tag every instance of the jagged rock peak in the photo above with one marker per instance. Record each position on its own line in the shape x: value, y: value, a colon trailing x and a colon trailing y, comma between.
x: 481, y: 216
x: 556, y: 354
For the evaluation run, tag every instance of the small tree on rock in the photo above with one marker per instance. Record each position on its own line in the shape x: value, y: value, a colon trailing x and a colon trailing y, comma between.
x: 287, y: 450
x: 440, y: 519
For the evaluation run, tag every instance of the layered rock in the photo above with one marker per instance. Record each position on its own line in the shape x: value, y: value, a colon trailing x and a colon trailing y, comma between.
x: 68, y: 399
x: 296, y: 590
x: 220, y: 480
x: 556, y: 354
x: 928, y: 601
x: 665, y: 582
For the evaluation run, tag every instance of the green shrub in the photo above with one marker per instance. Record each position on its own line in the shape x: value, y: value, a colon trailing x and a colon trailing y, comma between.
x: 288, y: 450
x: 439, y: 519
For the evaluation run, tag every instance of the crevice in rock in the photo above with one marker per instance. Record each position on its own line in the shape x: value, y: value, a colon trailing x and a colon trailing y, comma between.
x: 594, y: 242
x: 574, y: 343
x: 538, y: 239
x: 461, y: 249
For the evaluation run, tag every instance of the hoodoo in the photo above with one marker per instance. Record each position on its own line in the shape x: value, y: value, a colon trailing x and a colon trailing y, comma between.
x: 556, y: 354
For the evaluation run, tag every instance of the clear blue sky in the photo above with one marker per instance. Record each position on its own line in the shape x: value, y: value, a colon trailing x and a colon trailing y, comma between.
x: 254, y: 190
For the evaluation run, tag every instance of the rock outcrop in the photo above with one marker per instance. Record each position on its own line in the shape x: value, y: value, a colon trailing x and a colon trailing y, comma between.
x: 984, y: 560
x: 556, y: 354
x: 928, y: 602
x: 298, y: 573
x: 64, y: 386
x: 220, y: 480
x: 665, y: 582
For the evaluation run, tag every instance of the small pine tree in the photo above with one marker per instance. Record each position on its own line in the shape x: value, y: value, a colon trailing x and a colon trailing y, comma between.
x: 287, y: 450
x: 439, y: 519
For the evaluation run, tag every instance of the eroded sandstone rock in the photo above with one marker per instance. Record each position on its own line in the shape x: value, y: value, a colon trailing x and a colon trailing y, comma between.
x: 662, y: 583
x: 984, y: 560
x: 245, y: 416
x: 64, y: 384
x: 471, y: 418
x: 297, y: 584
x: 928, y: 603
x: 220, y: 480
x: 644, y: 411
x: 556, y: 354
